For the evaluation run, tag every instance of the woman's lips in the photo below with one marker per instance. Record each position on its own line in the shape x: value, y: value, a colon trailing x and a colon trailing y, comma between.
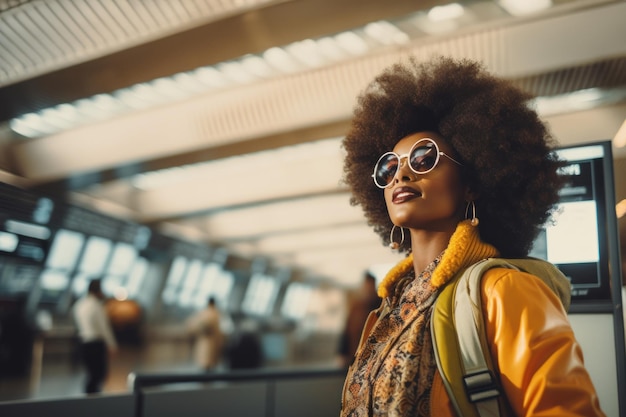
x: 402, y: 194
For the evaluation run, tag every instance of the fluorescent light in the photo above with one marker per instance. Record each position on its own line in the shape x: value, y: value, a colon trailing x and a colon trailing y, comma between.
x: 279, y: 59
x: 565, y: 103
x: 522, y: 7
x: 105, y: 102
x: 257, y: 66
x: 307, y: 52
x: 386, y: 33
x: 29, y: 125
x: 447, y: 12
x: 431, y: 27
x: 8, y: 242
x: 236, y: 72
x: 352, y: 43
x: 27, y: 229
x: 132, y: 99
x: 169, y: 88
x: 330, y: 49
x: 188, y: 82
x: 211, y: 77
x: 53, y: 117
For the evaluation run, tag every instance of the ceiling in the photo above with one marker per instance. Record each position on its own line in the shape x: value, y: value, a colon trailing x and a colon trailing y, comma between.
x: 220, y: 120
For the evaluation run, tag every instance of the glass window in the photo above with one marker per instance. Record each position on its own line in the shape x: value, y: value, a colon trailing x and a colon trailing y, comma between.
x: 53, y: 280
x: 95, y: 256
x: 80, y: 283
x: 190, y: 283
x: 174, y: 278
x: 260, y: 295
x: 122, y: 259
x: 65, y: 250
x: 8, y: 242
x: 296, y: 300
x: 136, y: 277
x: 215, y: 282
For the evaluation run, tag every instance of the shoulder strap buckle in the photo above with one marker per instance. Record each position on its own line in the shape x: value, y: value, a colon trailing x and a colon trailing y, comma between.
x: 481, y: 386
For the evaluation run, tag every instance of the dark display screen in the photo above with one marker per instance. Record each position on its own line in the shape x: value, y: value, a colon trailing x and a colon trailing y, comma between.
x: 577, y: 238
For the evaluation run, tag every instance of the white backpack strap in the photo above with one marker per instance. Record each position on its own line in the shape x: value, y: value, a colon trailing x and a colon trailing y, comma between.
x: 481, y: 383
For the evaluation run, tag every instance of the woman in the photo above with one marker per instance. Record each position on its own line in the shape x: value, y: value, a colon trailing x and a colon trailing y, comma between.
x: 451, y: 166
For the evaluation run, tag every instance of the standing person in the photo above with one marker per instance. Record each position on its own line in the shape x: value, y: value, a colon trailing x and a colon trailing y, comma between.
x: 96, y: 336
x: 451, y: 166
x: 366, y: 300
x: 205, y: 327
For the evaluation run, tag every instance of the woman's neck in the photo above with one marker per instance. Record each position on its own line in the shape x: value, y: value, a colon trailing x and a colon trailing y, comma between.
x: 426, y: 245
x: 463, y: 248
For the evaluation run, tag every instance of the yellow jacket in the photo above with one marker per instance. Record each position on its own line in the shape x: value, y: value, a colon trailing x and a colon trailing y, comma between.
x: 532, y: 343
x: 538, y: 360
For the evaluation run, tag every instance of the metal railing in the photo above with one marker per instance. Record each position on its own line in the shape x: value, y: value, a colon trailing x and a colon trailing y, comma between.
x: 139, y: 382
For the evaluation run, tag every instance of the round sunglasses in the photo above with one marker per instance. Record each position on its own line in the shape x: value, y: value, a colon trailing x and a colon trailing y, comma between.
x: 422, y: 158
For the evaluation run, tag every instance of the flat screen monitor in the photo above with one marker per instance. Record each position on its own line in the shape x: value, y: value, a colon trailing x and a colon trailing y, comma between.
x: 581, y: 239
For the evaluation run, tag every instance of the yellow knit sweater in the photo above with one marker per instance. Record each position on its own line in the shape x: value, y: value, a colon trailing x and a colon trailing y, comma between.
x: 465, y: 248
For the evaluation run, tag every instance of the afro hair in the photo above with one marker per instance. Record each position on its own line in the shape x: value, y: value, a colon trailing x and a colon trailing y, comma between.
x: 506, y: 151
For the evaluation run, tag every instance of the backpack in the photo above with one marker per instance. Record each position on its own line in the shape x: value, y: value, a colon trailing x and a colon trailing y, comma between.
x: 459, y: 339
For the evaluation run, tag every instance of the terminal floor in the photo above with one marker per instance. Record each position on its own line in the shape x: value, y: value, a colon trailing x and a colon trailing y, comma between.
x: 57, y: 376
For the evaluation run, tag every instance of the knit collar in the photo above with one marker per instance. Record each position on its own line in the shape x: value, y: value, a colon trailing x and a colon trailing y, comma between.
x: 464, y: 249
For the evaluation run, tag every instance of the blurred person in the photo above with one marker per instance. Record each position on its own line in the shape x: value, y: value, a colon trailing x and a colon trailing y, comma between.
x: 206, y: 329
x: 366, y: 300
x: 451, y: 166
x: 97, y: 339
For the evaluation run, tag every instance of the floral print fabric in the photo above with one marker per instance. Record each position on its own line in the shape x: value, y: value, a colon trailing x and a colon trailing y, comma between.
x: 394, y: 369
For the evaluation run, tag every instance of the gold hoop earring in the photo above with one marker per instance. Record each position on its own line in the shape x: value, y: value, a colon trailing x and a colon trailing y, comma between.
x: 395, y: 245
x: 474, y: 220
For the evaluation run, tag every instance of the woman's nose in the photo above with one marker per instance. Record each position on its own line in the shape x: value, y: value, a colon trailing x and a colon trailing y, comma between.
x: 404, y: 172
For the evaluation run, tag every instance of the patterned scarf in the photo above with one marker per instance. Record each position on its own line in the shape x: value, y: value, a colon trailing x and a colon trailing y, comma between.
x: 394, y: 369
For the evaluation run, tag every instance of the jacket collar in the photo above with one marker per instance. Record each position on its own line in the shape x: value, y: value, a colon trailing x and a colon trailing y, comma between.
x: 464, y: 249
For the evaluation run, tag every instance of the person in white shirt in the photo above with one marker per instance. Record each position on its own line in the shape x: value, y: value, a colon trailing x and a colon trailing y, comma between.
x: 96, y: 336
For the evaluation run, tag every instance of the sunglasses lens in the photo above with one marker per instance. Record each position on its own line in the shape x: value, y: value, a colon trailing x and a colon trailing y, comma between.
x: 386, y: 169
x: 423, y: 158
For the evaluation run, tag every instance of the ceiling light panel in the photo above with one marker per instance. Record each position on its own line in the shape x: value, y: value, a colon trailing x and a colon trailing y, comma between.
x: 525, y: 7
x: 44, y: 35
x: 277, y: 105
x: 294, y: 57
x: 446, y: 12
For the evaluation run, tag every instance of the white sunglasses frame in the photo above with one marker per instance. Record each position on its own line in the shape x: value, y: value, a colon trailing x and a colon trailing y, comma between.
x: 406, y: 156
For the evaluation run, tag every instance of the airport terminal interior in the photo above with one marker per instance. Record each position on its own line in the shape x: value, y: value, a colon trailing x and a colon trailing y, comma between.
x: 190, y: 149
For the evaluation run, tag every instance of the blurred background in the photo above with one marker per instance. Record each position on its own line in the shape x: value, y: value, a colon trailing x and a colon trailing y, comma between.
x: 189, y: 149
